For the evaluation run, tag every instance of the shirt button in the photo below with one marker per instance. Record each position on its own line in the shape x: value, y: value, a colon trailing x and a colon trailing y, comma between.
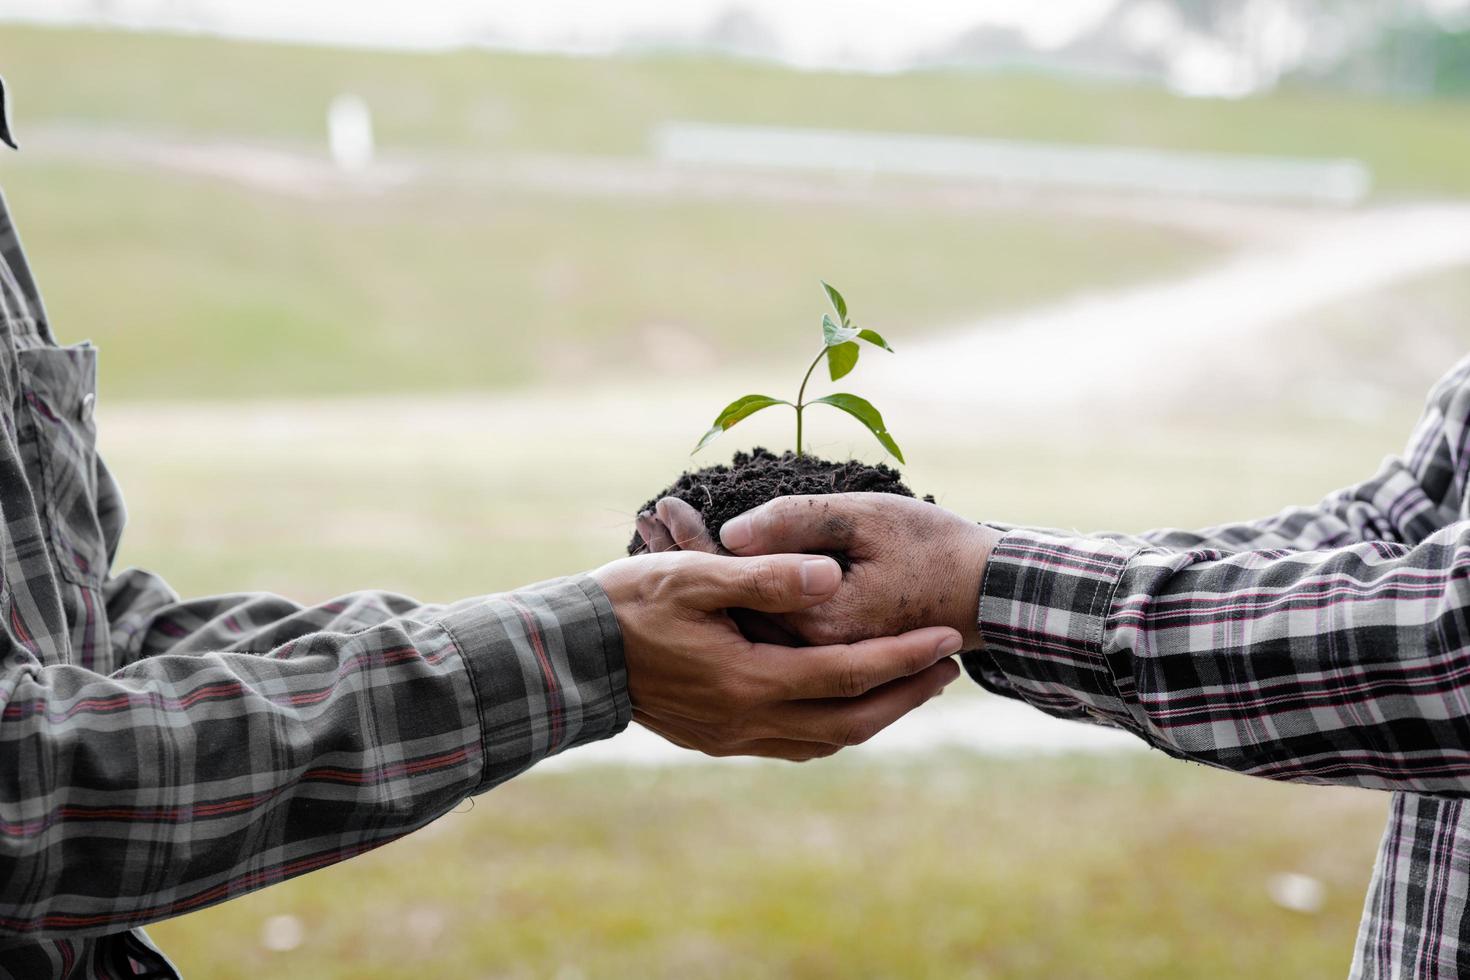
x: 89, y: 405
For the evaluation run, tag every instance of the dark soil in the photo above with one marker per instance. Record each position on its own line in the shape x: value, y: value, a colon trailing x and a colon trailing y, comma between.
x: 722, y: 492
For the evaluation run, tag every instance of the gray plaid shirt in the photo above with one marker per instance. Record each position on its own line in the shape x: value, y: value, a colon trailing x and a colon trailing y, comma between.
x: 159, y: 755
x: 1327, y: 644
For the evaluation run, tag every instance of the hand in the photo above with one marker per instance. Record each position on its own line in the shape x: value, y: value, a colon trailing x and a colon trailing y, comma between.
x: 913, y: 564
x: 673, y: 525
x: 695, y: 679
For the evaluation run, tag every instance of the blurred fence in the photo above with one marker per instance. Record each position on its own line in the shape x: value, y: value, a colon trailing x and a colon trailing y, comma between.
x: 1316, y: 181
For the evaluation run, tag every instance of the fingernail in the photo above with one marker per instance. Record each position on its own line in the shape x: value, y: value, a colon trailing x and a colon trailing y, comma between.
x: 736, y: 533
x: 819, y: 576
x: 949, y: 646
x: 644, y: 526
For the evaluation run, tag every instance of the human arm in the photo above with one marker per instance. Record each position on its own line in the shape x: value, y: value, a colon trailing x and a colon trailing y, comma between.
x: 1344, y: 664
x: 1347, y: 666
x: 250, y: 739
x: 259, y: 739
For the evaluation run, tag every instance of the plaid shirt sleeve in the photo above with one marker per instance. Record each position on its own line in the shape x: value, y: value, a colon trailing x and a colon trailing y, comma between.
x: 246, y: 739
x: 1328, y: 644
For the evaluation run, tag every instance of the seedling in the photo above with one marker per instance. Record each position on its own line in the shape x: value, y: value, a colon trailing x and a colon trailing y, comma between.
x: 840, y: 348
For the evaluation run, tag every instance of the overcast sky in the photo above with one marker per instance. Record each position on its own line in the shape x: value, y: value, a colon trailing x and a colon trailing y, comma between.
x: 859, y: 33
x: 871, y: 35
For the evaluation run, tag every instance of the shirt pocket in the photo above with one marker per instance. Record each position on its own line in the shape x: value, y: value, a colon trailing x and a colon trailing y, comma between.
x: 59, y: 391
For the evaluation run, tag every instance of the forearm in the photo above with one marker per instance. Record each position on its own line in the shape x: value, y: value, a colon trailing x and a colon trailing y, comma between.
x: 1343, y: 666
x: 195, y: 775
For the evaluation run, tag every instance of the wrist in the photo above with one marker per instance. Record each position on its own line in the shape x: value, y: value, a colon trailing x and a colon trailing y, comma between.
x: 970, y: 559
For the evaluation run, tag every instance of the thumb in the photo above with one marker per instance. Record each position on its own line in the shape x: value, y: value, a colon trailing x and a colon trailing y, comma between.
x: 812, y: 522
x: 770, y: 583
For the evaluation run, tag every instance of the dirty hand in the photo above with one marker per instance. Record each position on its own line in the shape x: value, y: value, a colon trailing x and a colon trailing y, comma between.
x: 695, y: 679
x: 913, y: 564
x: 674, y: 525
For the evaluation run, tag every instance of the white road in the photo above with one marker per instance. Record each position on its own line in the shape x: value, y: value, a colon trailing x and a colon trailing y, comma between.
x: 954, y: 721
x: 1147, y: 343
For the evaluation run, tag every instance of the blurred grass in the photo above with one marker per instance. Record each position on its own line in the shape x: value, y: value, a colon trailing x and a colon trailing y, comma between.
x: 497, y: 101
x: 950, y: 866
x: 441, y: 500
x: 203, y: 289
x: 958, y: 866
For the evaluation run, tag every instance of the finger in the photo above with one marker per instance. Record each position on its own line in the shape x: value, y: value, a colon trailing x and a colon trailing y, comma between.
x: 815, y: 522
x: 845, y: 722
x: 792, y: 750
x: 771, y: 583
x: 685, y: 525
x: 644, y: 523
x: 655, y: 536
x: 788, y: 749
x: 852, y: 669
x: 761, y: 628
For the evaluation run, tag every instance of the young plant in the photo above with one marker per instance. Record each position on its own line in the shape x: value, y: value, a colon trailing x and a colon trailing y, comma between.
x: 840, y: 348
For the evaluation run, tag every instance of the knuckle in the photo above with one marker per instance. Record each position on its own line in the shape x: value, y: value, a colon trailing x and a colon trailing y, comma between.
x: 764, y: 581
x: 758, y: 691
x: 735, y: 692
x: 853, y: 676
x: 859, y: 730
x: 915, y: 658
x: 739, y: 728
x: 778, y: 517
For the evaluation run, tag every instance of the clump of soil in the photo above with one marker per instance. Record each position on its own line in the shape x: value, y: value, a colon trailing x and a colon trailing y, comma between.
x: 722, y: 492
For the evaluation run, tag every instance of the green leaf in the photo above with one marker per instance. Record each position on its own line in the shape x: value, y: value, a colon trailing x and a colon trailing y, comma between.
x: 863, y: 410
x: 838, y: 303
x: 740, y: 408
x: 842, y: 359
x: 833, y: 333
x: 874, y: 338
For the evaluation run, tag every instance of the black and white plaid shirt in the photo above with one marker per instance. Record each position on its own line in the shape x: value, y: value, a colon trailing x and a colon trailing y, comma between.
x: 159, y: 755
x: 1327, y: 644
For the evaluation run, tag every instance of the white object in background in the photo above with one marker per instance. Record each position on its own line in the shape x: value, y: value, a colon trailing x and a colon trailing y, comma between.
x: 282, y: 933
x: 1339, y: 182
x: 1297, y: 892
x: 350, y: 133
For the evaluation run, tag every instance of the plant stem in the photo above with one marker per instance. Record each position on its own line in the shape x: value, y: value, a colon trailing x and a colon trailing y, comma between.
x: 801, y: 394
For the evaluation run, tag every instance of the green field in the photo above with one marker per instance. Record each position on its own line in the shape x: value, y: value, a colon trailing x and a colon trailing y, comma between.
x: 495, y: 101
x: 199, y: 288
x: 451, y: 389
x: 958, y: 866
x: 207, y: 288
x: 944, y: 868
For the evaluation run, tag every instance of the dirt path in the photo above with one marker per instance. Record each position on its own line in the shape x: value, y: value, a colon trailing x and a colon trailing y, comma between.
x: 1146, y: 345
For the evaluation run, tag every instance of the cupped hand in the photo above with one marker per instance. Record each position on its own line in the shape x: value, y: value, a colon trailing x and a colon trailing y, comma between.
x: 697, y: 680
x: 912, y: 564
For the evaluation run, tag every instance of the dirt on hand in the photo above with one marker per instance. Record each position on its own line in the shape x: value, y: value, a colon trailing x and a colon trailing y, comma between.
x: 722, y: 492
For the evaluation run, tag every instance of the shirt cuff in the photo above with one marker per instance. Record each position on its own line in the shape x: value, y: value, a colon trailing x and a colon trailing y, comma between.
x: 1044, y: 603
x: 547, y: 667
